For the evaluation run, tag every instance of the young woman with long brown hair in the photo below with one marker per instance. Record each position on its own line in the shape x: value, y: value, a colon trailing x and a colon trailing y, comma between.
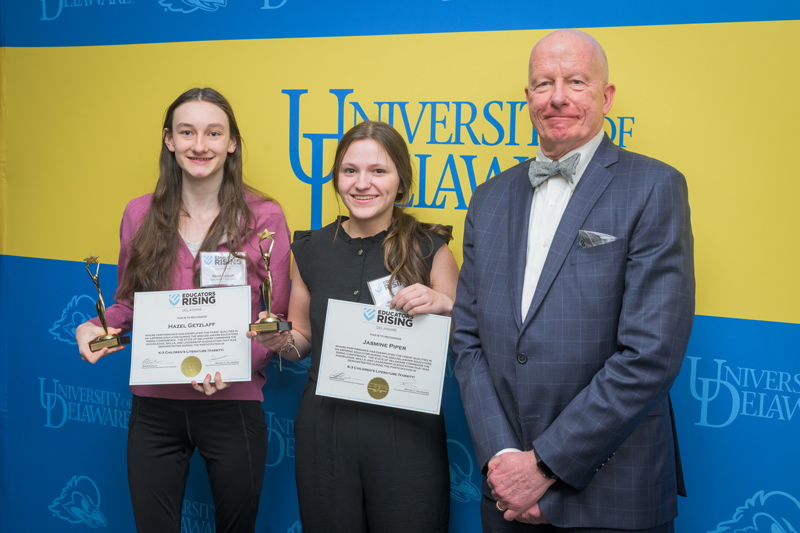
x: 362, y: 467
x: 200, y: 205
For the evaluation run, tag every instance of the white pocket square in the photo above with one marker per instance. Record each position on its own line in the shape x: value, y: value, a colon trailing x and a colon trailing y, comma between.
x: 588, y: 239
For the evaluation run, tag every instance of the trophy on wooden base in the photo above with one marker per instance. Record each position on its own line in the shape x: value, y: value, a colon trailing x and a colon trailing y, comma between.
x: 270, y: 323
x: 109, y: 340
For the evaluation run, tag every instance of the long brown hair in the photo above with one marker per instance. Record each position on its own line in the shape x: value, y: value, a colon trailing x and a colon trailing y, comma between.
x: 154, y: 248
x: 402, y: 253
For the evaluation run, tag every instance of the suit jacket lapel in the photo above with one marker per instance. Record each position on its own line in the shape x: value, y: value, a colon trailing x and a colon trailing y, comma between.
x: 592, y: 184
x: 519, y: 212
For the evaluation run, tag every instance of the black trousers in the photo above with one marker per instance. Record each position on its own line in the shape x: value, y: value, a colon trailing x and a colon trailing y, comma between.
x: 493, y: 522
x: 231, y: 436
x: 363, y: 468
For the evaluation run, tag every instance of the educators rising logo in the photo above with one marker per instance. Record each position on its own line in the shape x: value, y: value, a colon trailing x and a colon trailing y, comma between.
x: 726, y: 392
x: 79, y: 503
x: 394, y: 318
x: 773, y: 512
x: 187, y: 299
x: 369, y: 313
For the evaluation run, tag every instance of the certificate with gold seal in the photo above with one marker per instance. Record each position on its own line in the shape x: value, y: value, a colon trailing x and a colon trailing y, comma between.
x: 385, y: 357
x: 181, y: 336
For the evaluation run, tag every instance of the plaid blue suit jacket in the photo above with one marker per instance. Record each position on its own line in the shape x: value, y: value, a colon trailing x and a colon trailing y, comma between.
x: 585, y: 377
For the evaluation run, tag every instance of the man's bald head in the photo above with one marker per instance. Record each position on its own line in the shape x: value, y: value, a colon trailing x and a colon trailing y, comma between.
x: 571, y: 38
x: 568, y: 92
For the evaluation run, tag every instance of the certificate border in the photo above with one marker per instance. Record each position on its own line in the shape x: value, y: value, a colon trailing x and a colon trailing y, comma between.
x: 380, y: 402
x: 171, y: 382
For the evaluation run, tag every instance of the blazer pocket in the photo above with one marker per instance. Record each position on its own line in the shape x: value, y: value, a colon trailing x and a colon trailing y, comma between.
x: 604, y: 252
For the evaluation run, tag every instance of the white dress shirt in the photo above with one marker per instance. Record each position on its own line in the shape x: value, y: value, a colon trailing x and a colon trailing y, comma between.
x: 550, y: 199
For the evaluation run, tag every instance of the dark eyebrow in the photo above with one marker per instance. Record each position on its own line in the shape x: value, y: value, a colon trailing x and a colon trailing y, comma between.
x: 187, y: 125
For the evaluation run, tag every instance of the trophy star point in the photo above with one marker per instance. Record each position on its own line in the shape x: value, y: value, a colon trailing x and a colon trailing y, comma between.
x: 91, y: 259
x: 266, y: 234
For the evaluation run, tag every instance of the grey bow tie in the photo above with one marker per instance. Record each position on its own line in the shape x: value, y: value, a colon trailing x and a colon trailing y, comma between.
x: 541, y: 171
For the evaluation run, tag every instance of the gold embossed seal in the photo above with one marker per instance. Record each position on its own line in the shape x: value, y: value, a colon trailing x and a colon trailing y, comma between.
x: 378, y: 388
x: 191, y: 366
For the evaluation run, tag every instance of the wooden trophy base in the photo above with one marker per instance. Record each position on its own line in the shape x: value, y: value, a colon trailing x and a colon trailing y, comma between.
x: 108, y: 341
x: 269, y: 325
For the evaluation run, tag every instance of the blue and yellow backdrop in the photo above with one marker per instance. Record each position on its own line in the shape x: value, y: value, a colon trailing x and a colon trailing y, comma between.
x: 709, y: 87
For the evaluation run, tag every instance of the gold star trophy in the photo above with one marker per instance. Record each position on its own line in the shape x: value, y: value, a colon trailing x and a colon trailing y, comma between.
x: 269, y: 323
x: 109, y: 340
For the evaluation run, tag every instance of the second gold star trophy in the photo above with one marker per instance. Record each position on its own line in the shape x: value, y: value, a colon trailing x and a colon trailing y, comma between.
x: 269, y: 323
x: 109, y: 340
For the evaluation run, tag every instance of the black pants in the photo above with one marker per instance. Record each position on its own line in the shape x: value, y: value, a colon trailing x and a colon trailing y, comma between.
x: 493, y: 522
x: 231, y: 436
x: 363, y: 468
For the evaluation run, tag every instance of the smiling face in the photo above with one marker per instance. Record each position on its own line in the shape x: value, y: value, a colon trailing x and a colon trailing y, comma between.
x: 567, y: 93
x: 369, y: 185
x: 200, y: 139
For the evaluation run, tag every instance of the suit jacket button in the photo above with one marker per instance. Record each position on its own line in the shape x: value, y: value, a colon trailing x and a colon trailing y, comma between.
x: 522, y: 358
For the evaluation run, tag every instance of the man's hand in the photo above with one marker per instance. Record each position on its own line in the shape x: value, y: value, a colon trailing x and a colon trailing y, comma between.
x: 532, y: 516
x: 517, y: 484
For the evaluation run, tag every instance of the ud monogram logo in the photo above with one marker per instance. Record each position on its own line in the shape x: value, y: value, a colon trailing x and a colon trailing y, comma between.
x: 318, y: 177
x: 736, y: 390
x: 774, y: 512
x: 280, y: 445
x: 82, y: 404
x: 79, y: 503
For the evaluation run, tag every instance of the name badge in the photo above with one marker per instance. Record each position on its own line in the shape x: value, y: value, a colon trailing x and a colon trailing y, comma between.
x: 380, y: 290
x: 222, y: 269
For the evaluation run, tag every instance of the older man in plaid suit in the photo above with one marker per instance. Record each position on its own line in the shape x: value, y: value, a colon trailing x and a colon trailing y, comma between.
x: 574, y: 308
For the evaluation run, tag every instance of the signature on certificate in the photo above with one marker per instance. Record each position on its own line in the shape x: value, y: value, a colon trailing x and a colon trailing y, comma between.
x: 149, y: 362
x: 341, y: 376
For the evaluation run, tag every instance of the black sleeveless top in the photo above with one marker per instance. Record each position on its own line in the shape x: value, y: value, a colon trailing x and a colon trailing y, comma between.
x: 334, y: 265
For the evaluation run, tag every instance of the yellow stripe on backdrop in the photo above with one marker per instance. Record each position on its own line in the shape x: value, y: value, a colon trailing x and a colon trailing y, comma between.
x: 715, y: 101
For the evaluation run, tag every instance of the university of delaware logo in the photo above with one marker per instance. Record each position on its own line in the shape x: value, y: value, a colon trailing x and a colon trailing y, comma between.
x: 52, y: 9
x: 79, y: 503
x: 773, y: 512
x: 443, y: 138
x: 318, y: 176
x: 726, y: 392
x: 79, y: 310
x: 190, y: 6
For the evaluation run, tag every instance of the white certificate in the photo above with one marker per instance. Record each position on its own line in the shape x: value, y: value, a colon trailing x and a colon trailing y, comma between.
x: 380, y: 356
x: 181, y: 336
